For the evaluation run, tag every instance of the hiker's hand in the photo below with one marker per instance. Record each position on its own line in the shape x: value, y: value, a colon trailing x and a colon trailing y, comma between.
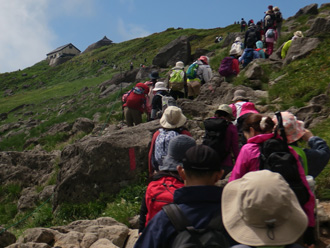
x: 308, y: 134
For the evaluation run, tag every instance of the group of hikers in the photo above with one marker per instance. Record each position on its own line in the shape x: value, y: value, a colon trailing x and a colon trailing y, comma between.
x: 247, y: 184
x: 231, y: 191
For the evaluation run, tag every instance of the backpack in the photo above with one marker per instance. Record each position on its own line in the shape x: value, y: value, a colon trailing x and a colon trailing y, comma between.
x: 226, y: 67
x: 269, y: 21
x: 124, y: 96
x: 276, y: 156
x: 192, y: 71
x: 190, y: 237
x: 177, y: 80
x: 270, y: 33
x: 248, y: 56
x: 167, y: 101
x: 251, y: 38
x: 159, y: 193
x: 215, y: 134
x: 161, y: 145
x: 278, y: 17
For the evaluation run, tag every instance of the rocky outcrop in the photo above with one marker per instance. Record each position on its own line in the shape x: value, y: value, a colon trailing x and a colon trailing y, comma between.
x: 230, y: 38
x: 320, y: 26
x: 307, y: 10
x: 103, y: 164
x: 6, y: 238
x: 177, y: 50
x: 102, y: 232
x: 300, y: 48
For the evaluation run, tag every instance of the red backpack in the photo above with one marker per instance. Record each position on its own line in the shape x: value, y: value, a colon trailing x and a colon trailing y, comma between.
x: 160, y: 193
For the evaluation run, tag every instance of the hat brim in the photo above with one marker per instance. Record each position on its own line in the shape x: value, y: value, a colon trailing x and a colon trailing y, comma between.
x: 287, y: 233
x: 240, y: 98
x: 167, y: 125
x: 177, y: 68
x: 162, y: 88
x: 169, y: 164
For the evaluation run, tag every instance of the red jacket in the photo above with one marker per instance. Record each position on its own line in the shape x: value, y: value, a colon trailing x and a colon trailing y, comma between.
x: 137, y: 101
x: 152, y: 146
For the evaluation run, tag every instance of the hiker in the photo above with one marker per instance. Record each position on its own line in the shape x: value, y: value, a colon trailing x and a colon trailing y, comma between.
x: 229, y: 67
x: 286, y: 46
x: 260, y: 50
x: 151, y: 84
x: 243, y: 25
x: 238, y: 45
x: 269, y: 18
x: 258, y: 129
x: 172, y: 124
x: 241, y: 108
x: 251, y: 36
x: 315, y: 158
x: 259, y: 30
x: 198, y: 201
x: 163, y: 184
x: 261, y: 210
x: 202, y: 75
x: 271, y: 37
x: 135, y: 104
x: 278, y: 20
x: 177, y: 81
x: 131, y: 66
x: 157, y: 101
x: 248, y: 55
x: 222, y: 136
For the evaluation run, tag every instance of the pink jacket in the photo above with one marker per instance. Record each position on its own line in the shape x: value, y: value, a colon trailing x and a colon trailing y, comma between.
x: 248, y: 160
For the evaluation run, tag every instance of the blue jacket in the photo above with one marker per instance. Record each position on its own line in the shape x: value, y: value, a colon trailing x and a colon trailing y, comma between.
x: 199, y: 204
x: 317, y: 156
x: 244, y: 58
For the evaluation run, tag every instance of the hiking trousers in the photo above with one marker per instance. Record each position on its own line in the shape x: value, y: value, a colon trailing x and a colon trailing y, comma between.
x: 132, y: 116
x: 194, y: 88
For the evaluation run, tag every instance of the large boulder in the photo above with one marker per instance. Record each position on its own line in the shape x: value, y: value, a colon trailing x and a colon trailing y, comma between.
x: 307, y: 10
x: 177, y: 50
x: 300, y: 48
x: 320, y: 26
x: 6, y: 238
x: 230, y: 38
x: 104, y: 164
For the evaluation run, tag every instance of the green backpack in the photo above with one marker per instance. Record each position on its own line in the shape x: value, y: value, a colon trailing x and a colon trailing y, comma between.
x: 192, y: 71
x: 177, y: 80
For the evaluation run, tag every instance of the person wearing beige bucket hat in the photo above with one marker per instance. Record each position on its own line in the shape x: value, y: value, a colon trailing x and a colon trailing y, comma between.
x: 221, y: 134
x: 258, y: 129
x: 261, y: 210
x: 177, y: 81
x: 296, y: 35
x: 172, y: 124
x: 314, y: 158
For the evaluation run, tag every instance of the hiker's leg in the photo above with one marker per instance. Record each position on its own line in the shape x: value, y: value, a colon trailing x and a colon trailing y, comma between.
x: 180, y: 94
x: 190, y: 90
x: 137, y: 116
x: 196, y: 88
x: 128, y: 116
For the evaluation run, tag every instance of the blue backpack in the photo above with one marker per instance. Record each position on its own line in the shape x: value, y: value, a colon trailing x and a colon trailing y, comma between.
x: 248, y: 57
x: 192, y: 71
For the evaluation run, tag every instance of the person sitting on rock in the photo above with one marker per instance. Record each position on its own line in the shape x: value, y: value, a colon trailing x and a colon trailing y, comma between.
x: 286, y: 46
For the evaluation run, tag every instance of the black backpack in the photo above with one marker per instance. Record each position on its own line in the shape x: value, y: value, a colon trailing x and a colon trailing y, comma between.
x: 251, y: 37
x: 215, y: 134
x: 275, y: 156
x: 190, y: 237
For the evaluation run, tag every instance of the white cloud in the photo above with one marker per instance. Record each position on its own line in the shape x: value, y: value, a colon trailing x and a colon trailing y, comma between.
x: 25, y: 36
x: 131, y: 31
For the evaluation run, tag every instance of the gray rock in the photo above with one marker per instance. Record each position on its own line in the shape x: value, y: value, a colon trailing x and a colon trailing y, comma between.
x: 177, y: 50
x: 103, y: 243
x: 28, y: 199
x: 300, y: 48
x: 319, y: 26
x: 254, y: 71
x: 6, y: 238
x: 38, y: 235
x: 307, y: 10
x: 83, y: 125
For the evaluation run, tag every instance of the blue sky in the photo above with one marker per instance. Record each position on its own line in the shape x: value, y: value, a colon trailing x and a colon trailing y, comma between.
x: 32, y: 28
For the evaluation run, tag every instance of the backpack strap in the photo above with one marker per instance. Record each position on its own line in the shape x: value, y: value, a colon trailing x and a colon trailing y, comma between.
x: 216, y: 222
x: 177, y: 217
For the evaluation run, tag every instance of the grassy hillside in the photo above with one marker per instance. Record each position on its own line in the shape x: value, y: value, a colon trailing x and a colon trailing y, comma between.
x: 43, y: 91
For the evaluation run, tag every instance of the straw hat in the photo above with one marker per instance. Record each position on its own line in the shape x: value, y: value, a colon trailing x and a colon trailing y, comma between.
x: 260, y: 209
x: 160, y: 86
x: 172, y: 118
x: 298, y: 34
x: 233, y: 51
x: 294, y: 129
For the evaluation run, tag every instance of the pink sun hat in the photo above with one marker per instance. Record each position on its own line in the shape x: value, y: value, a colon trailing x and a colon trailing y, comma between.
x: 248, y: 107
x: 294, y: 129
